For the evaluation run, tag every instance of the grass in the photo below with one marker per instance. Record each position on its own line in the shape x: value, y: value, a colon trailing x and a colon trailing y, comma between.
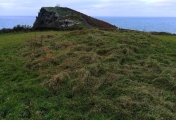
x: 169, y: 38
x: 87, y: 74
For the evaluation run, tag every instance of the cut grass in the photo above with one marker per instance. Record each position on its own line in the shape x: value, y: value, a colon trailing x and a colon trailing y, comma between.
x: 87, y: 74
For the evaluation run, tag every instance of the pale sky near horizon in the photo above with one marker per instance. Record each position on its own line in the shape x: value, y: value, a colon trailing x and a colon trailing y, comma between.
x: 144, y: 8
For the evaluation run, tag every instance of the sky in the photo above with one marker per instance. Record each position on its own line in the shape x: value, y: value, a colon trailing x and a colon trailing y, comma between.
x: 141, y: 8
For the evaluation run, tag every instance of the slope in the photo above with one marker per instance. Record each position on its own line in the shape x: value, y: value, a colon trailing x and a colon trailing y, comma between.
x: 62, y: 17
x: 88, y: 74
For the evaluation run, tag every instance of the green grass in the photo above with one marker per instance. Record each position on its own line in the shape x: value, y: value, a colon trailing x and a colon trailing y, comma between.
x: 169, y: 38
x: 87, y: 74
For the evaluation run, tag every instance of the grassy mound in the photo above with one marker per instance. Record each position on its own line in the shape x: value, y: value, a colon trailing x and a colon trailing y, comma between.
x: 87, y: 74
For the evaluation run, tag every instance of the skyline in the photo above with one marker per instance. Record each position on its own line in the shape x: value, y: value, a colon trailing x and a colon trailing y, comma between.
x: 126, y: 8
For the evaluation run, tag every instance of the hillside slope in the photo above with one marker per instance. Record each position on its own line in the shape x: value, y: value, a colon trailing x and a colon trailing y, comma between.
x: 87, y: 74
x: 62, y: 17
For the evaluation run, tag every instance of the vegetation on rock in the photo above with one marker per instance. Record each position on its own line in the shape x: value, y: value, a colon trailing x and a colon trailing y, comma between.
x: 62, y: 17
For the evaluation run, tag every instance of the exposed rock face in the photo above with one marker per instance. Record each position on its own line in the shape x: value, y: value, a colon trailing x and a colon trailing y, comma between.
x: 60, y: 17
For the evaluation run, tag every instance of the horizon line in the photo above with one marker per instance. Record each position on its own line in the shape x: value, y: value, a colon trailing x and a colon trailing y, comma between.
x: 89, y: 15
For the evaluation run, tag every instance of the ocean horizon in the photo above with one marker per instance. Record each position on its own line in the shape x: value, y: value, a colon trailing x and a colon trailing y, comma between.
x: 146, y: 24
x: 11, y: 21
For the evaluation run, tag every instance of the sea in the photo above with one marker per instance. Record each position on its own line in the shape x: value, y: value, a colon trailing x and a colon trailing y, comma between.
x: 146, y: 24
x: 11, y: 21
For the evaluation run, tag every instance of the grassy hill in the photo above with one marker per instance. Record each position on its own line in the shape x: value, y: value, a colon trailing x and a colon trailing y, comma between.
x: 87, y: 74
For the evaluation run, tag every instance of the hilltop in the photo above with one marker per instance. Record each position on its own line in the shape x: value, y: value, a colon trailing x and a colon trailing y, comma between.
x: 63, y: 17
x: 87, y: 74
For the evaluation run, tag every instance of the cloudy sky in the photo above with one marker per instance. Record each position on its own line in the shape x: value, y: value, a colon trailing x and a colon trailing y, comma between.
x: 93, y: 7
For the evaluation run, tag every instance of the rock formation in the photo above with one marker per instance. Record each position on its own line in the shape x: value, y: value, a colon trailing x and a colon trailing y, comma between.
x: 62, y: 17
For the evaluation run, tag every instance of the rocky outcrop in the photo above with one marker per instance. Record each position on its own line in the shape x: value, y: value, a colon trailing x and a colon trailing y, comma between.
x: 61, y: 17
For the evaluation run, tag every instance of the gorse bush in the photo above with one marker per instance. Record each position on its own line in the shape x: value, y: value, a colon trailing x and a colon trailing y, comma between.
x: 22, y: 28
x: 17, y: 28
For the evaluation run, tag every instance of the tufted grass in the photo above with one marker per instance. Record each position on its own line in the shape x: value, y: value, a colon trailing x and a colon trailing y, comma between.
x: 87, y: 74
